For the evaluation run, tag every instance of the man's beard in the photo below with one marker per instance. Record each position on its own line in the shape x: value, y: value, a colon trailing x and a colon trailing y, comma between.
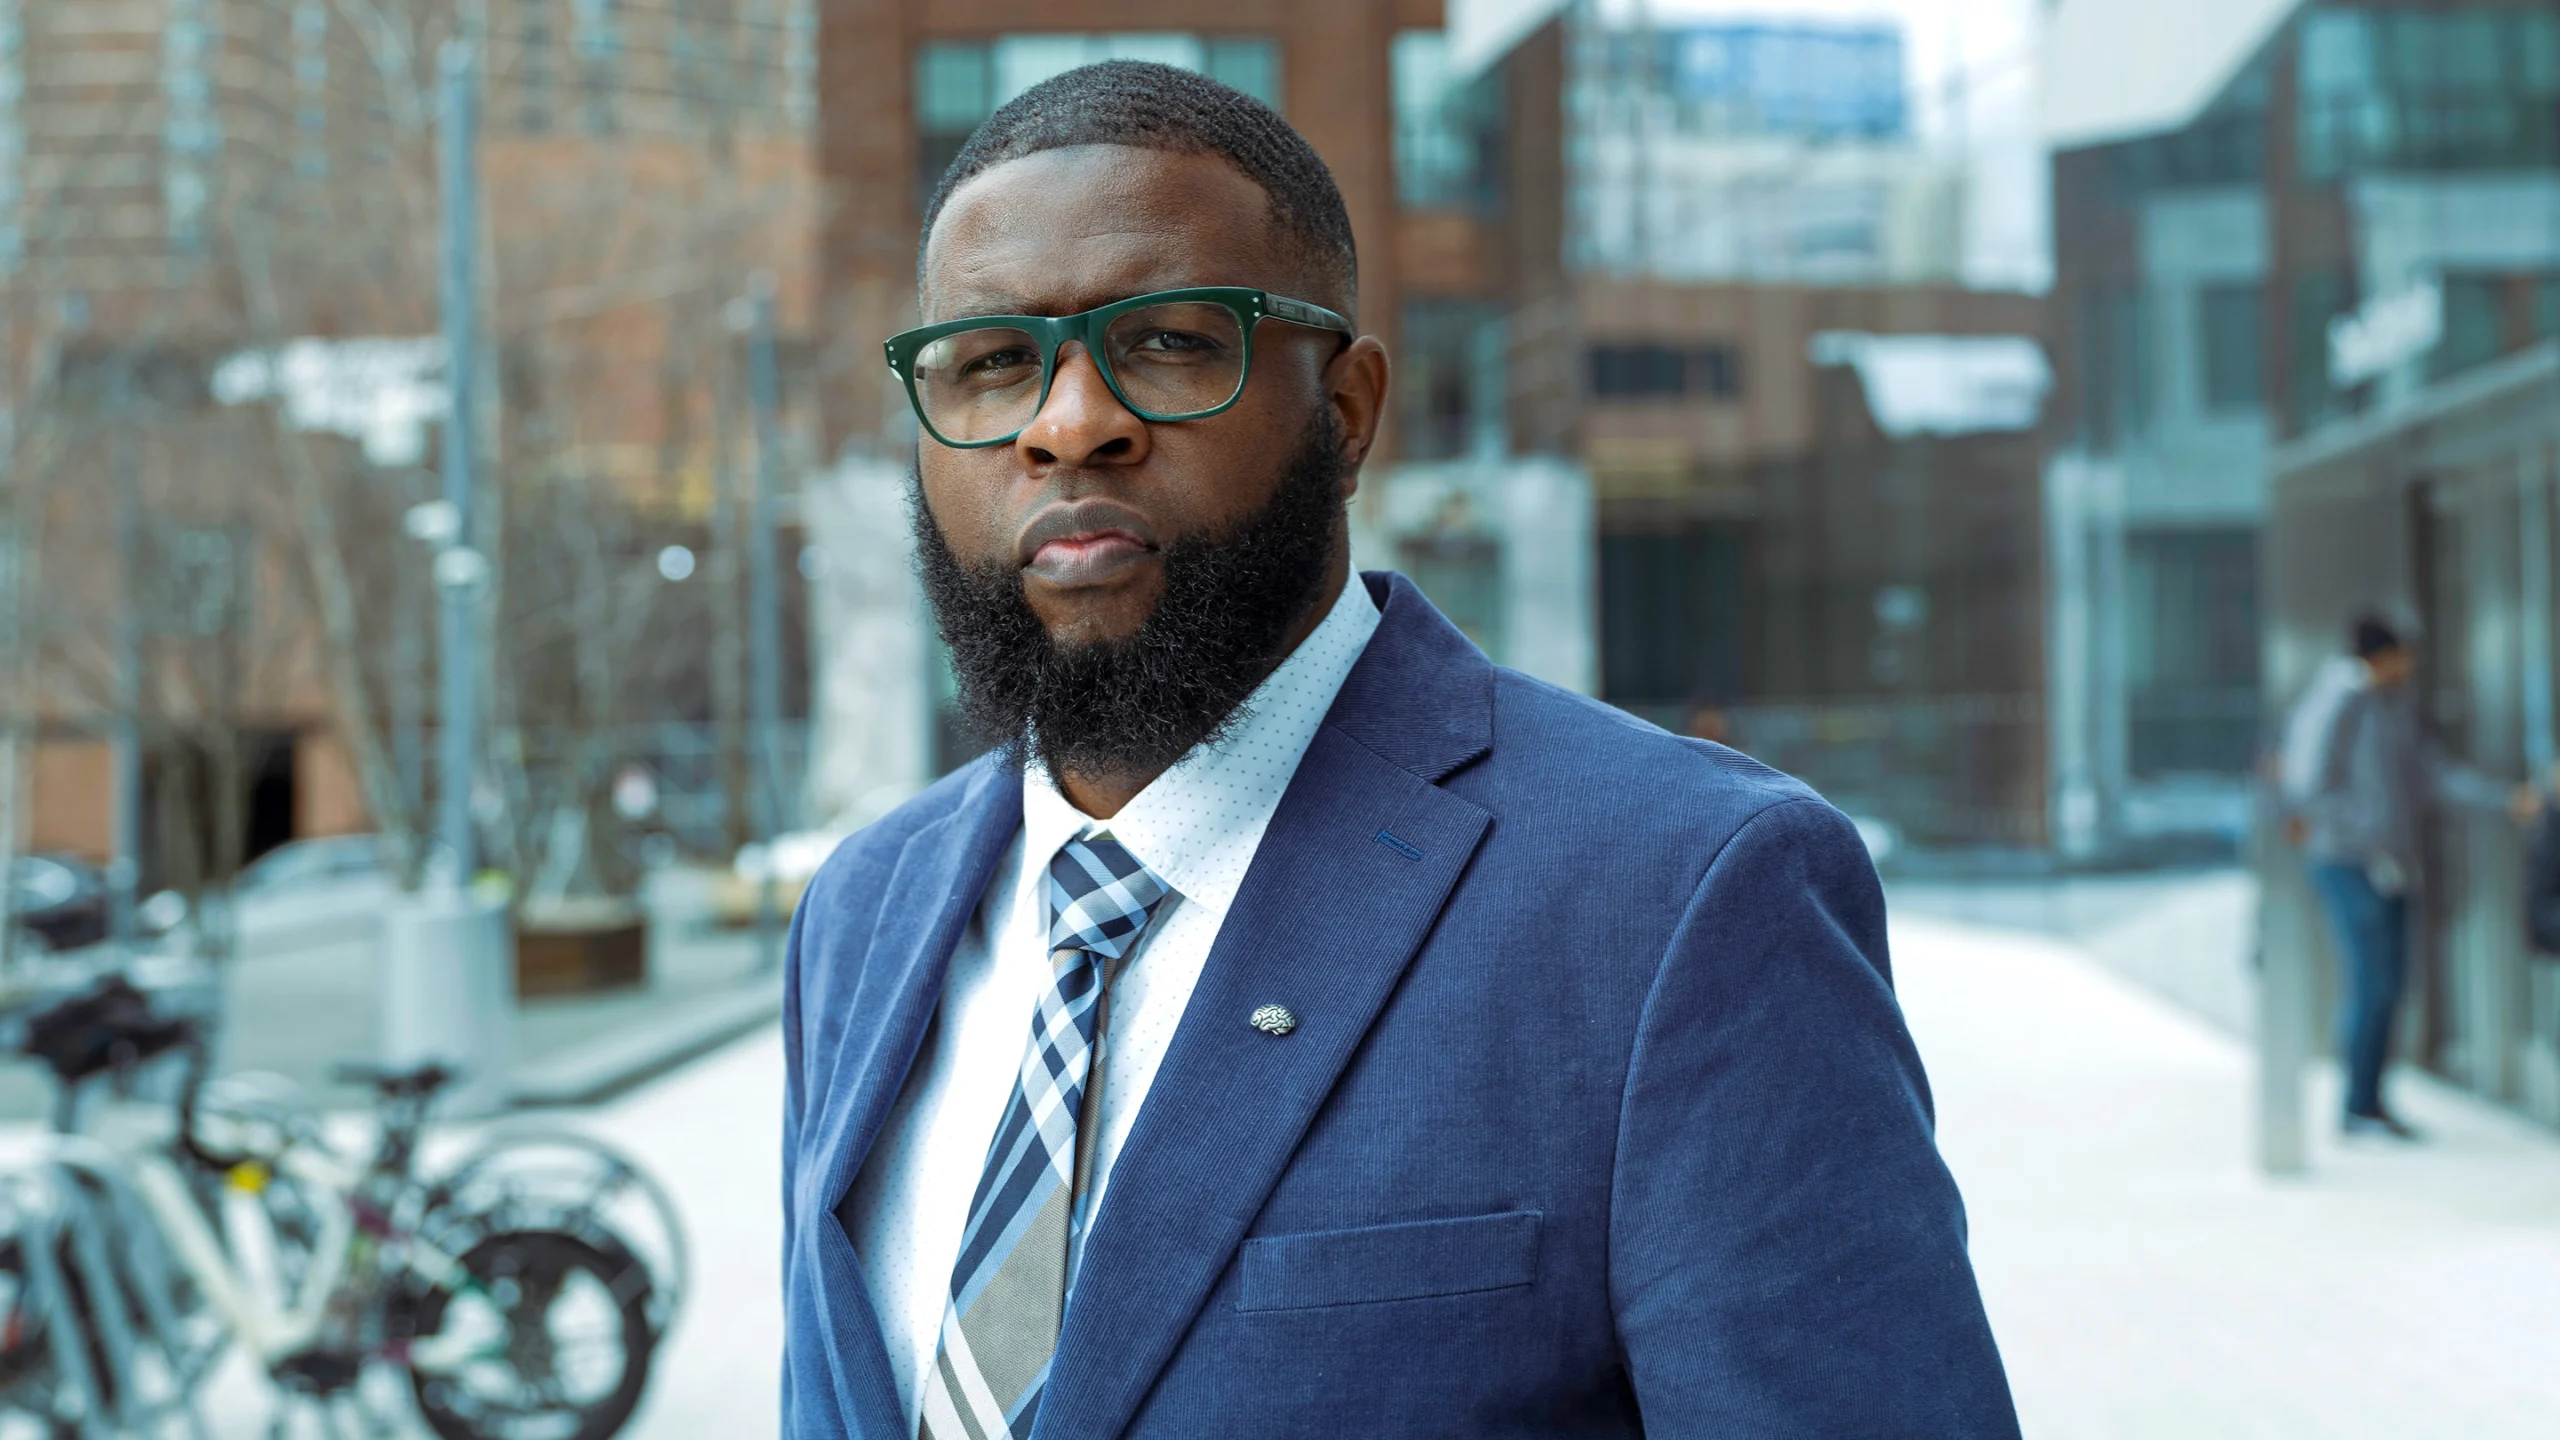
x: 1134, y: 706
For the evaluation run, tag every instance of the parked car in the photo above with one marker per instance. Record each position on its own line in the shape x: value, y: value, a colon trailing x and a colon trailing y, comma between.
x: 61, y: 900
x: 326, y: 889
x: 329, y: 860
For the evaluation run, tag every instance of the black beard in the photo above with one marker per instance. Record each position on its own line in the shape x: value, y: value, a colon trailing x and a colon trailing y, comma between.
x: 1137, y: 705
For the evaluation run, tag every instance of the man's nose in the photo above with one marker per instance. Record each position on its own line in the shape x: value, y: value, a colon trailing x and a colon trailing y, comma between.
x: 1082, y: 422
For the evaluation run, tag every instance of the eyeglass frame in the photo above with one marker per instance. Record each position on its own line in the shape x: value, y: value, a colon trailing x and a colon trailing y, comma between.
x: 1051, y: 333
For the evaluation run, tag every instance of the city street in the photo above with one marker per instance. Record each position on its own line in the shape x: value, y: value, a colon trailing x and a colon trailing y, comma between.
x: 2146, y: 1284
x: 2143, y: 1280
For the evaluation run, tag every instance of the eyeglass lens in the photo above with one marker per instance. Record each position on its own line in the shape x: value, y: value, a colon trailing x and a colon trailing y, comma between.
x: 1171, y: 360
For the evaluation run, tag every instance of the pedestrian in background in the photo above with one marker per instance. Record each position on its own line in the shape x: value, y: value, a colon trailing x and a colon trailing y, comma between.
x: 2358, y: 778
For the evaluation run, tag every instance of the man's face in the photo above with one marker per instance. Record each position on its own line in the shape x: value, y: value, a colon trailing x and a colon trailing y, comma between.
x: 2391, y: 668
x: 1085, y: 500
x: 1111, y: 590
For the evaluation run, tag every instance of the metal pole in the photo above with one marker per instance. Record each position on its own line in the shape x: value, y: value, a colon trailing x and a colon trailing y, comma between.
x: 457, y: 568
x: 408, y: 676
x: 764, y: 645
x: 124, y: 873
x: 446, y: 963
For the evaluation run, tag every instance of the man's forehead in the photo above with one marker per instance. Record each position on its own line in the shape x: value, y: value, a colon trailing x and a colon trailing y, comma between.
x: 1065, y: 230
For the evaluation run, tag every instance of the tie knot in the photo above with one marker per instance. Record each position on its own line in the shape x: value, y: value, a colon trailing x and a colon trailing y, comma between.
x: 1100, y: 897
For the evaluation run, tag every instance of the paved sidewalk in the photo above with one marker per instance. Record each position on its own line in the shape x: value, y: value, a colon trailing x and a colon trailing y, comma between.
x: 2143, y: 1280
x: 2146, y: 1282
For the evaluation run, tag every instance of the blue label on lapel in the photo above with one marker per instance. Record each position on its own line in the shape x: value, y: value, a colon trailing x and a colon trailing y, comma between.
x: 1398, y: 846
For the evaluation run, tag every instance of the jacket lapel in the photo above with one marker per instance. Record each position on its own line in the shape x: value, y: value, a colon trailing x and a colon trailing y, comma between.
x: 1353, y: 871
x: 940, y: 875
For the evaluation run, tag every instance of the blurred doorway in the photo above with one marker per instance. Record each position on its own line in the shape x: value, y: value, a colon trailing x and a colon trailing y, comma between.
x: 1671, y: 619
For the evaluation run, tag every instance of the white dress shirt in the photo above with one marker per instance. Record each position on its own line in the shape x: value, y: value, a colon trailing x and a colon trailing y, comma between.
x: 1197, y: 827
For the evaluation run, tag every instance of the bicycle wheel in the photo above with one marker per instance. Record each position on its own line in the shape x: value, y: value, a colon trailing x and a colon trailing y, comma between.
x: 550, y: 1341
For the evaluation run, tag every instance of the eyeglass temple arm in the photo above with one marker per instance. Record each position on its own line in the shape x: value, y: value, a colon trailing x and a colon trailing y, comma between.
x: 1299, y: 312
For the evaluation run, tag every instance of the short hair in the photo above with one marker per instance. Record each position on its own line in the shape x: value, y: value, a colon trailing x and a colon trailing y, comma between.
x: 1159, y: 107
x: 2370, y: 635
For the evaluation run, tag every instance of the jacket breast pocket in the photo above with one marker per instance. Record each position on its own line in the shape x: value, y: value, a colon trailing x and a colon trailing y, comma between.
x: 1411, y: 1261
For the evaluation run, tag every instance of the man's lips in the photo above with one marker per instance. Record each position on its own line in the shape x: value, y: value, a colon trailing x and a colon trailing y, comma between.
x: 1086, y: 559
x: 1084, y: 543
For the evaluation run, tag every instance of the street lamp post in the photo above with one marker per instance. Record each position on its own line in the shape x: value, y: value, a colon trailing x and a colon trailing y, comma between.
x: 447, y: 991
x: 764, y: 645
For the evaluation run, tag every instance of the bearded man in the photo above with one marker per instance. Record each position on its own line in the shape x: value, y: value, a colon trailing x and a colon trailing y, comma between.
x: 1299, y: 1025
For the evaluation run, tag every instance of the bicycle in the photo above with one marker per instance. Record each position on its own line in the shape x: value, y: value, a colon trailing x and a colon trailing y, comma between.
x: 510, y: 1291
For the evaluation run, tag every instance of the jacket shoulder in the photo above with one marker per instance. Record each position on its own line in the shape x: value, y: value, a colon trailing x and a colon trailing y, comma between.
x: 1569, y: 741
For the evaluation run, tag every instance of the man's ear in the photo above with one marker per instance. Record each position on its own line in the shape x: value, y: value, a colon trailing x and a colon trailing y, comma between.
x: 1356, y: 387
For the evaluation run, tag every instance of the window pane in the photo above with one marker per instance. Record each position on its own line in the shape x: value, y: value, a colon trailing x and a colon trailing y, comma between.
x: 1251, y: 65
x: 951, y: 88
x: 1448, y: 135
x: 1670, y: 615
x: 2231, y: 351
x: 1437, y: 375
x: 2471, y: 324
x: 2336, y: 55
x: 2538, y: 53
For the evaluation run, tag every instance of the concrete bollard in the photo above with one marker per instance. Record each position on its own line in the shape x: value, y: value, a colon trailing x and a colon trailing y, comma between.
x: 447, y: 995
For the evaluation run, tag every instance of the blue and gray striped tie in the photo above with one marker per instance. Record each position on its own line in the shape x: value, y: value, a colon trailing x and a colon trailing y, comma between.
x: 1009, y: 1288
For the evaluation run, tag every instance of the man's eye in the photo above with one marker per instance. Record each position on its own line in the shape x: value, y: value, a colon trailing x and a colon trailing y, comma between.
x: 995, y: 364
x: 1175, y: 342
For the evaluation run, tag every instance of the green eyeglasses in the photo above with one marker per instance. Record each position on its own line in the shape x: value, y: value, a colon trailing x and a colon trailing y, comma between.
x: 1173, y: 355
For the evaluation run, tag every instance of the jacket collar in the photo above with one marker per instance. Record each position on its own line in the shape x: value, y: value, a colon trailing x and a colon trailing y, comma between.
x: 1421, y: 697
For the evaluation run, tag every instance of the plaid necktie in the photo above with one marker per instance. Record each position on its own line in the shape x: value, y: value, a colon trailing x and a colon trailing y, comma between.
x: 1009, y: 1287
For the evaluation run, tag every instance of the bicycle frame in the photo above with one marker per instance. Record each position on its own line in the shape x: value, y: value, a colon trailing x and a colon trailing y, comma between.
x: 270, y: 1325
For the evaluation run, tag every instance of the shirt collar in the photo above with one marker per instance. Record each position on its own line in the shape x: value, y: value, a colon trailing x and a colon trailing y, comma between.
x: 1199, y: 823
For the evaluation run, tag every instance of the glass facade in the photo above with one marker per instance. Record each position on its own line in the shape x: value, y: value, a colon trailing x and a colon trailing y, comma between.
x: 2191, y: 662
x: 1449, y: 129
x: 1653, y: 371
x: 2228, y: 328
x: 960, y: 83
x: 2441, y: 89
x: 1439, y: 370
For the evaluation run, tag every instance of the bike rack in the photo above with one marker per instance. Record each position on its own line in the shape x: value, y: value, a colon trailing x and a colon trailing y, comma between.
x: 99, y: 1279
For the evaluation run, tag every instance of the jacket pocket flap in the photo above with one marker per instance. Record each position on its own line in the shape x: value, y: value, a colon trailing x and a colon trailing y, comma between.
x: 1390, y: 1262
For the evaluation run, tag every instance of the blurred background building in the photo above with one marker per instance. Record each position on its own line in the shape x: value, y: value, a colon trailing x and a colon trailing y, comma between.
x: 2235, y: 185
x: 220, y: 626
x: 1737, y: 384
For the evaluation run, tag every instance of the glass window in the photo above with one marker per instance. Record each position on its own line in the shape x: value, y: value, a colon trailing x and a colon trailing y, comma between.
x: 1448, y: 134
x: 1022, y: 61
x: 1437, y: 376
x: 2473, y: 324
x: 1671, y: 615
x: 1648, y: 371
x: 2411, y: 89
x: 1252, y: 65
x: 952, y: 88
x: 959, y: 84
x: 2337, y: 54
x: 2191, y: 648
x: 2538, y: 53
x: 2232, y: 356
x: 2319, y: 296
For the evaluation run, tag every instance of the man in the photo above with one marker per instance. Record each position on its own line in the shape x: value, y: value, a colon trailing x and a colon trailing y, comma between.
x: 2359, y: 775
x: 1302, y: 1026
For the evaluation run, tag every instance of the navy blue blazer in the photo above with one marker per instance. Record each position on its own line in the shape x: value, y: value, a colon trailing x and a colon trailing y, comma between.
x: 1599, y: 1117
